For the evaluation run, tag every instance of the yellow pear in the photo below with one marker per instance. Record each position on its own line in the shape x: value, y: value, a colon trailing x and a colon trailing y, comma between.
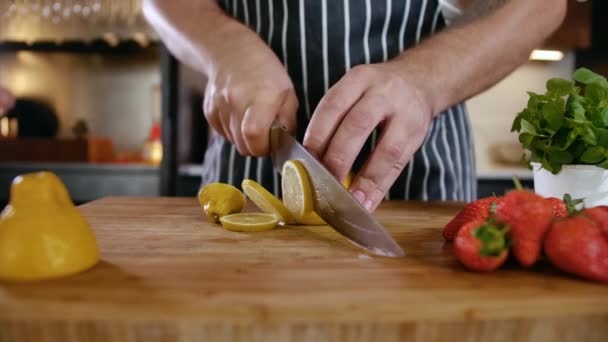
x: 42, y: 234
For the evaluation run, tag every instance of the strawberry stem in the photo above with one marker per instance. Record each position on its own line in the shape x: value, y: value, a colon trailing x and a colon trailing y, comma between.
x: 572, y: 203
x: 493, y: 238
x: 517, y: 183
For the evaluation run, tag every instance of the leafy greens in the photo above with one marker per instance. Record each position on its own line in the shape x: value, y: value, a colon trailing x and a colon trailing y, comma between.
x: 568, y: 124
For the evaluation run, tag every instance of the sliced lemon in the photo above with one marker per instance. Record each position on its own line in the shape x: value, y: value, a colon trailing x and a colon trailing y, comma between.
x: 266, y: 201
x: 312, y: 219
x: 249, y: 222
x: 297, y: 194
x: 219, y: 199
x: 348, y: 180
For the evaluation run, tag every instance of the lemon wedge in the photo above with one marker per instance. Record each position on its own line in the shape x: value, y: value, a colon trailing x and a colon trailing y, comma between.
x: 266, y: 201
x: 249, y: 222
x: 297, y: 194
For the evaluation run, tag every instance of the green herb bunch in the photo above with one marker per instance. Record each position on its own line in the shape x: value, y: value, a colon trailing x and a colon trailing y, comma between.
x: 568, y: 124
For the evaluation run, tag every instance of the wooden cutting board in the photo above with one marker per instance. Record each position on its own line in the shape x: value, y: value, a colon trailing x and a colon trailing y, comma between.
x: 168, y: 275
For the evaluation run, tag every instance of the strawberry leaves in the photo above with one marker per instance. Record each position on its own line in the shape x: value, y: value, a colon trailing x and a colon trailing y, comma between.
x: 568, y: 124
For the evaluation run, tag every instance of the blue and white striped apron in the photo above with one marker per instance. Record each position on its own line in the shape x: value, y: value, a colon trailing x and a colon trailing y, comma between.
x: 318, y: 41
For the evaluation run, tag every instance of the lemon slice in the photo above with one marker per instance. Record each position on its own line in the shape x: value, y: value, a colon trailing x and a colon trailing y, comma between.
x: 266, y: 201
x: 297, y: 194
x: 312, y: 219
x: 249, y: 222
x: 348, y: 180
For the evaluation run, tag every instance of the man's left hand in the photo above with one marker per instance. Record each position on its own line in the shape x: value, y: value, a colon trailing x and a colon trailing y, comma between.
x: 369, y: 96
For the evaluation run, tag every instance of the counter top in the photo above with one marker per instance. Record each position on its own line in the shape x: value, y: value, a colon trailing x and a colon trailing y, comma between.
x: 167, y: 274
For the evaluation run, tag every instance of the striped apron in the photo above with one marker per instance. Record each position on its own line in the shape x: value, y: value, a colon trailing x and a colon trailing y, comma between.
x: 318, y: 41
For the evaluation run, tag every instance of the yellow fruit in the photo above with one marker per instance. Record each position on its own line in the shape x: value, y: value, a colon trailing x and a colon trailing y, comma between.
x: 249, y: 222
x: 297, y: 194
x: 266, y: 201
x: 42, y: 234
x: 312, y: 219
x: 348, y: 180
x: 219, y: 199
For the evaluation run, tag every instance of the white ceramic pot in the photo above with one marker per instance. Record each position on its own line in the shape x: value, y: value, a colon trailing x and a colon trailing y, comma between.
x: 580, y: 181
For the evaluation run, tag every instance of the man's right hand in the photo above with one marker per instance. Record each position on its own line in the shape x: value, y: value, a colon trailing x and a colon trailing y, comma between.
x: 7, y: 100
x: 248, y: 89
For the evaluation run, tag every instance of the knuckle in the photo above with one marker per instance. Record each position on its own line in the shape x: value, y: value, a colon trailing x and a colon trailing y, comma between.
x: 358, y: 123
x: 250, y: 131
x: 334, y: 161
x: 391, y: 151
x: 373, y: 186
x: 333, y: 103
x: 363, y: 71
x: 313, y: 142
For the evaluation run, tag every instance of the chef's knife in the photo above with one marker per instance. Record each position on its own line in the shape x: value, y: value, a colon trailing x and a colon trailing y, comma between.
x: 331, y: 200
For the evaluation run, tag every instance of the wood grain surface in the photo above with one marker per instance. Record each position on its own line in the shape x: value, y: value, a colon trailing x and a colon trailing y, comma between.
x: 168, y: 275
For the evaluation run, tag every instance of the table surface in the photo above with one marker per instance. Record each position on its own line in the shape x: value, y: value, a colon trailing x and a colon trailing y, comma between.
x: 163, y: 265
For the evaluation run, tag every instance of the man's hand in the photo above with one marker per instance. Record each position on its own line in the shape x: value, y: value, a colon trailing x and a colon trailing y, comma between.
x: 366, y: 97
x: 248, y: 88
x: 7, y: 100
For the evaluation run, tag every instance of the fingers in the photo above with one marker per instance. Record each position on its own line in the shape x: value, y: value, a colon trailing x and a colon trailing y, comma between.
x: 245, y: 117
x: 287, y: 115
x: 392, y: 153
x: 333, y: 107
x: 353, y: 132
x: 258, y: 119
x: 213, y: 107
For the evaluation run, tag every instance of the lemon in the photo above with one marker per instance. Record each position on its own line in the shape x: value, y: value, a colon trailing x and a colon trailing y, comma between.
x: 312, y: 219
x: 297, y: 194
x: 249, y: 222
x: 266, y: 201
x: 219, y: 199
x: 348, y: 180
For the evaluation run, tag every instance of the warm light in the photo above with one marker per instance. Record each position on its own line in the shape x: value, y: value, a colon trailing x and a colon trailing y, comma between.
x: 546, y: 55
x: 4, y: 127
x: 157, y: 152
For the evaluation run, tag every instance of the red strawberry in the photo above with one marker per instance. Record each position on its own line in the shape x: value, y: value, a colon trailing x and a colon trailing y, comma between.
x: 479, y: 209
x: 528, y: 216
x: 481, y: 245
x: 600, y: 216
x: 563, y: 208
x: 577, y: 245
x: 559, y: 207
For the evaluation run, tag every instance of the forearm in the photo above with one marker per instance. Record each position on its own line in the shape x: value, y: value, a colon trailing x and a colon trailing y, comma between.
x: 480, y: 50
x: 197, y: 32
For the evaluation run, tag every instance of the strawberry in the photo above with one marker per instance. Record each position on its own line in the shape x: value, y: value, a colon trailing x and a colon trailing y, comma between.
x: 528, y: 216
x: 481, y: 245
x: 480, y: 209
x: 599, y: 215
x: 563, y: 208
x: 578, y: 246
x: 559, y: 207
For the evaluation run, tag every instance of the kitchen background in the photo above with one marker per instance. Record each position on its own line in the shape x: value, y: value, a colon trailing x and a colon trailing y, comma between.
x: 93, y: 76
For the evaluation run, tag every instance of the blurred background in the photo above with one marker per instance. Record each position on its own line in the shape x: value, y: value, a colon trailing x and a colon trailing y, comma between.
x: 102, y: 104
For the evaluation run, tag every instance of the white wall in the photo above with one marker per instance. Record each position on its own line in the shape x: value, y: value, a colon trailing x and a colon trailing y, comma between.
x: 493, y: 111
x: 115, y: 94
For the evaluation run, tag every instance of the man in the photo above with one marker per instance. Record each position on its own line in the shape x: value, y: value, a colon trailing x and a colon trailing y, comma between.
x: 370, y: 85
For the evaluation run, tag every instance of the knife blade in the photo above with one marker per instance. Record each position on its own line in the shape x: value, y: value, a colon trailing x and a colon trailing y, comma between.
x: 332, y: 202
